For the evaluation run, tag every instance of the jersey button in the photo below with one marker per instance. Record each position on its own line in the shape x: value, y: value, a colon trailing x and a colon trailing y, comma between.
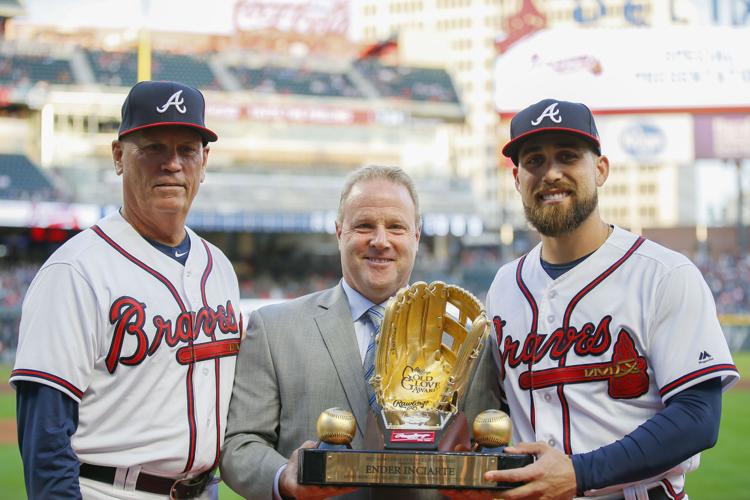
x: 551, y: 442
x: 550, y: 318
x: 552, y: 294
x: 547, y: 397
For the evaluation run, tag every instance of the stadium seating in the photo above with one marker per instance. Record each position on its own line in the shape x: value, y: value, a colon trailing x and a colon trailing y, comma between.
x: 288, y: 80
x: 418, y: 84
x: 113, y: 68
x: 29, y: 69
x: 121, y: 69
x: 364, y: 78
x: 20, y: 179
x: 187, y: 69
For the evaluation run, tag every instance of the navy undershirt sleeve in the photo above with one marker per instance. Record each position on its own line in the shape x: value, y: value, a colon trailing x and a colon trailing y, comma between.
x: 47, y: 419
x: 659, y: 443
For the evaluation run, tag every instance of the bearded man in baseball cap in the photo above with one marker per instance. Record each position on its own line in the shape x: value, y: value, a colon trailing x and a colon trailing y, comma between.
x: 610, y: 351
x: 130, y: 330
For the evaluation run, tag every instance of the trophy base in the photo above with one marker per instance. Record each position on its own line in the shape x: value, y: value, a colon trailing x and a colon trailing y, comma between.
x: 423, y: 469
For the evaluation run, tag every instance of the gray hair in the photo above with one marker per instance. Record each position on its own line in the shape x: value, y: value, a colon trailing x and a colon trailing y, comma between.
x: 371, y: 172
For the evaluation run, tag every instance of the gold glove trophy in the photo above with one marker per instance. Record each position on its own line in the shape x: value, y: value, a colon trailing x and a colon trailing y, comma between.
x: 427, y: 349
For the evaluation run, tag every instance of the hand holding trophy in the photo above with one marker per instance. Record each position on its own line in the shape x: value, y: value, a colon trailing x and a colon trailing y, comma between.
x: 427, y: 349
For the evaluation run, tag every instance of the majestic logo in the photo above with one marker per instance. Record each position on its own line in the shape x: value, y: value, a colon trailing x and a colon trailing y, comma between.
x: 418, y: 381
x: 128, y: 316
x: 413, y: 437
x: 704, y: 357
x: 626, y: 372
x: 550, y: 112
x: 175, y: 100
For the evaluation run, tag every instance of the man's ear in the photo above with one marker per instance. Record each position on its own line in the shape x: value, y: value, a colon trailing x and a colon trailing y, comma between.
x: 206, y: 150
x: 602, y: 170
x: 117, y: 156
x: 515, y: 178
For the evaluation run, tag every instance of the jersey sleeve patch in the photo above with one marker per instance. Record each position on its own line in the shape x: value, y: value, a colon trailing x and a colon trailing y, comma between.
x: 47, y: 379
x: 728, y: 372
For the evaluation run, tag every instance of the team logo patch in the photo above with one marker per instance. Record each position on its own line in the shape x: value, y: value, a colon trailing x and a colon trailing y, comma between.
x: 550, y: 112
x: 128, y: 317
x: 625, y: 373
x: 175, y: 100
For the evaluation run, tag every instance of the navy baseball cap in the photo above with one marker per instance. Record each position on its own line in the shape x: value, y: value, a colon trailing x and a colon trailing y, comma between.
x: 153, y: 104
x: 551, y: 115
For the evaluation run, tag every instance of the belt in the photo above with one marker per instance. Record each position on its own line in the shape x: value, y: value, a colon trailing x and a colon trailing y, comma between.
x: 657, y: 493
x: 175, y: 488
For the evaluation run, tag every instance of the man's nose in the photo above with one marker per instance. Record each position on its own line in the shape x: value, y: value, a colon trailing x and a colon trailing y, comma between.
x: 553, y: 172
x: 380, y: 237
x: 172, y: 161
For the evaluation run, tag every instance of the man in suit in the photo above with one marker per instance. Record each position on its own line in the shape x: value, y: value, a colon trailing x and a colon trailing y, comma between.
x: 306, y: 355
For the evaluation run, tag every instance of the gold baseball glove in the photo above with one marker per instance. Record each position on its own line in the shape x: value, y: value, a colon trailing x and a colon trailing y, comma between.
x: 428, y: 344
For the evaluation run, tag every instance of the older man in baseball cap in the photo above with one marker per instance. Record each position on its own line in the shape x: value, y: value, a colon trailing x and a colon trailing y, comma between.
x: 129, y: 331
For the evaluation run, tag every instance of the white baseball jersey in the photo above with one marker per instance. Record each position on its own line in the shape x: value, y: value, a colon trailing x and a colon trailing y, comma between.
x: 145, y: 345
x: 588, y: 357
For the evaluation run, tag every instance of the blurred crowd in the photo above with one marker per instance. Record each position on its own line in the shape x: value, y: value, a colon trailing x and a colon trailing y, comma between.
x: 728, y: 276
x: 361, y: 79
x: 729, y: 280
x: 14, y: 280
x: 285, y: 80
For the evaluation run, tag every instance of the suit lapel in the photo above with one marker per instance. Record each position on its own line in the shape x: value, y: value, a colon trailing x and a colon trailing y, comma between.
x: 337, y: 329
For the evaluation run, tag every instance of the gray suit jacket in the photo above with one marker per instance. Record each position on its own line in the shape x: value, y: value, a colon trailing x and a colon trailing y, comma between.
x: 298, y: 359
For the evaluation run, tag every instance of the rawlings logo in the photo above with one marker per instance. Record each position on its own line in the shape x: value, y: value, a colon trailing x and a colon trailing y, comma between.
x: 417, y: 380
x: 411, y: 405
x: 129, y: 316
x: 413, y: 437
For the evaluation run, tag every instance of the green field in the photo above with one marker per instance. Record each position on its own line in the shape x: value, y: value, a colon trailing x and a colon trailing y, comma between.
x: 721, y: 475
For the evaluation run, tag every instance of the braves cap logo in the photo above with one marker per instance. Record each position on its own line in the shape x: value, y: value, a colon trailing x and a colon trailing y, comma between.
x: 177, y: 101
x: 551, y: 112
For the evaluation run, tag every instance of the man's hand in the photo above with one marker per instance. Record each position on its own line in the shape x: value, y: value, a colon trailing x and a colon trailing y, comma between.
x: 550, y: 477
x: 288, y: 487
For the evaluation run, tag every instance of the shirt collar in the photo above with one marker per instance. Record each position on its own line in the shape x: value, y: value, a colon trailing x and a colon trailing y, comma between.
x: 358, y: 303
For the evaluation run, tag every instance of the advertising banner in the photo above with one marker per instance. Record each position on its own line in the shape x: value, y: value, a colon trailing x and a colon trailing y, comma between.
x: 680, y: 68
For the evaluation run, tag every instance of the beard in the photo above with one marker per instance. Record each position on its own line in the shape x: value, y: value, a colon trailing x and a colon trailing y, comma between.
x: 557, y: 220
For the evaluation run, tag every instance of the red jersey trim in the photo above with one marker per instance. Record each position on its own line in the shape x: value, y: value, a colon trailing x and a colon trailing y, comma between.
x: 59, y: 381
x: 694, y: 375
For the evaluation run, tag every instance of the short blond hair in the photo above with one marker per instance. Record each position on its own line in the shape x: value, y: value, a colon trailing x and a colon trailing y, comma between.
x: 395, y: 175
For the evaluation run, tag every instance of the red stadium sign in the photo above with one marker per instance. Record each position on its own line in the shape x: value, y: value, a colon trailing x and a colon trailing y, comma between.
x: 294, y: 114
x: 311, y: 18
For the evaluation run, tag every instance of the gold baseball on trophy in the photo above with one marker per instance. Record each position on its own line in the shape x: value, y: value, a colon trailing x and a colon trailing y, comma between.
x: 336, y: 426
x: 492, y: 429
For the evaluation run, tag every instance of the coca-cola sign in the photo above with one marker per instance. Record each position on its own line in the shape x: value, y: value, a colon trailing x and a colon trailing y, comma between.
x: 305, y: 17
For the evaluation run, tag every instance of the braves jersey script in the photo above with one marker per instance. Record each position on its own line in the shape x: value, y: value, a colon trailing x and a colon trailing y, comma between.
x: 145, y: 345
x: 588, y: 357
